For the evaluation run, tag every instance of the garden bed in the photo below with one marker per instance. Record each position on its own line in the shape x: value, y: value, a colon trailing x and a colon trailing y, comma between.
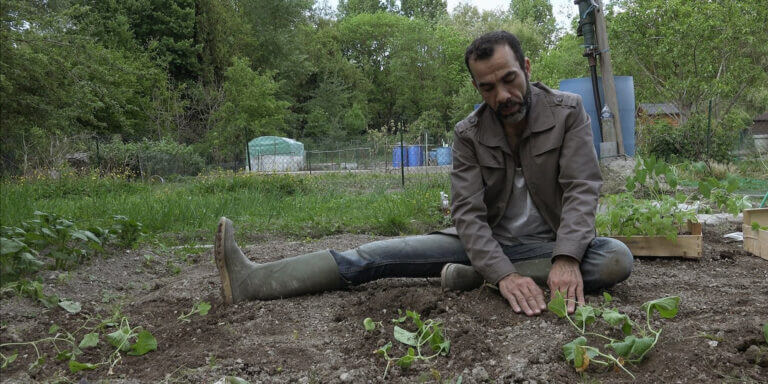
x: 320, y: 338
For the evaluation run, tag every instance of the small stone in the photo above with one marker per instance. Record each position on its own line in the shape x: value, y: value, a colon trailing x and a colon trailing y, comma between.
x: 712, y: 343
x: 752, y: 354
x: 480, y: 373
x: 346, y: 377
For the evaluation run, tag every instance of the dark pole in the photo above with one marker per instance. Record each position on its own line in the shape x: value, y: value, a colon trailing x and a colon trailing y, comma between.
x: 709, y: 120
x: 402, y: 158
x: 596, y: 91
x: 586, y: 28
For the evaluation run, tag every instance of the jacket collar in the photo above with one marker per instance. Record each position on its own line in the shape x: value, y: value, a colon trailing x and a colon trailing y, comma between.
x: 540, y: 118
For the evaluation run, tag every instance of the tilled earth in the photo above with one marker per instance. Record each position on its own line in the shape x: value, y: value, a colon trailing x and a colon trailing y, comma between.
x: 716, y: 336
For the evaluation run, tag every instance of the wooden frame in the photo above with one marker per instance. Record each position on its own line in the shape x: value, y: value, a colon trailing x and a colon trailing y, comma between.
x: 685, y: 246
x: 756, y: 242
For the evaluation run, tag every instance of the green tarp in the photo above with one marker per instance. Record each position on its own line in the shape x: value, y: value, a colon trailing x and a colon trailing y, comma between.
x: 273, y: 145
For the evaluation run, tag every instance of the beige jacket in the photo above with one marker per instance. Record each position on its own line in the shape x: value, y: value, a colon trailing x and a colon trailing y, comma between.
x: 561, y: 170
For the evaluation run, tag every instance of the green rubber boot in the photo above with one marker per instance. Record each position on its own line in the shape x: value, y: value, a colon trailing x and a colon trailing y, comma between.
x: 242, y: 279
x: 460, y: 277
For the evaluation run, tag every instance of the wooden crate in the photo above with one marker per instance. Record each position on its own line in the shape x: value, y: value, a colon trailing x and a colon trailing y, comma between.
x: 686, y: 246
x: 756, y: 242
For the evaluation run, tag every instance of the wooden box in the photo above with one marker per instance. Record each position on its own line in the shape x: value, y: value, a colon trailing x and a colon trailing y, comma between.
x: 756, y: 242
x: 686, y: 246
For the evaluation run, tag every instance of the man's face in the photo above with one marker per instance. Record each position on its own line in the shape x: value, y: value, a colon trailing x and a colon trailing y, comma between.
x: 503, y: 84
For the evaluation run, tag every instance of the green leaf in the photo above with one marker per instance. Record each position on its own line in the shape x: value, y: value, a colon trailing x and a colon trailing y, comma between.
x: 369, y: 324
x: 666, y: 306
x: 584, y: 315
x: 9, y: 246
x: 145, y: 342
x: 235, y: 380
x: 569, y: 349
x: 623, y: 348
x: 53, y: 329
x: 557, y: 305
x: 641, y: 346
x: 406, y: 337
x: 405, y: 361
x: 203, y: 308
x: 607, y: 297
x: 383, y: 349
x: 614, y: 317
x: 10, y: 359
x: 64, y: 355
x: 70, y: 306
x: 415, y: 317
x: 119, y: 338
x: 75, y: 366
x: 89, y: 340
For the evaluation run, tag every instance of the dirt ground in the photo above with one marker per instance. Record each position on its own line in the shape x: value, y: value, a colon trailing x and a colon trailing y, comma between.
x: 320, y: 338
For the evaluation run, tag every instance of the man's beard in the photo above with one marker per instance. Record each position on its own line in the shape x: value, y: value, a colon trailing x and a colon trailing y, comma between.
x: 522, y: 111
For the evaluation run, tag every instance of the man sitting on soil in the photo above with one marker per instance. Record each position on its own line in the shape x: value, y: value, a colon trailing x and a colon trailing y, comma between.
x: 524, y: 186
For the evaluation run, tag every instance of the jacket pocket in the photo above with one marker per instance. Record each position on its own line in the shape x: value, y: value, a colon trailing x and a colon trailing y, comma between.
x: 543, y: 142
x: 490, y: 158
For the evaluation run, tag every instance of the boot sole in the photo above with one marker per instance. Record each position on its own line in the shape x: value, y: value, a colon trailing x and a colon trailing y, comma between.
x: 221, y: 263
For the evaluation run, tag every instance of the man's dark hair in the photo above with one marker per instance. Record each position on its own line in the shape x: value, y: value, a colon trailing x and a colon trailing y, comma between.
x: 482, y: 48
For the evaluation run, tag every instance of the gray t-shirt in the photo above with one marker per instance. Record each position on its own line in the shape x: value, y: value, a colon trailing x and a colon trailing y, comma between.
x: 522, y: 223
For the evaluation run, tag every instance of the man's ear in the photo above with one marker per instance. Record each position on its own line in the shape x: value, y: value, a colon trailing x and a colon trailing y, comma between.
x: 528, y: 66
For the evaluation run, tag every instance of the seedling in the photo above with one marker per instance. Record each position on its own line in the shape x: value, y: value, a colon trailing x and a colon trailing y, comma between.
x: 200, y: 308
x: 133, y: 341
x: 637, y: 342
x: 428, y: 332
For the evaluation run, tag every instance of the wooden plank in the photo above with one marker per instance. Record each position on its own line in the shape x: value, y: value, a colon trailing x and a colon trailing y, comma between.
x: 686, y: 246
x: 756, y: 242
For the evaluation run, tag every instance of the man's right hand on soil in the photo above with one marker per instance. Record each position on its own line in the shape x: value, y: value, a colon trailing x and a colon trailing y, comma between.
x: 522, y: 293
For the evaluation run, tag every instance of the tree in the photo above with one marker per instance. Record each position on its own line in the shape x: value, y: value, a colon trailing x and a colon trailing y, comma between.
x: 424, y: 9
x: 250, y: 110
x: 691, y: 52
x: 538, y: 13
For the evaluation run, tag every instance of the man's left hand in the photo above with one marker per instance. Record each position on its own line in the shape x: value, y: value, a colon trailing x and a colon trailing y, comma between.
x: 565, y: 276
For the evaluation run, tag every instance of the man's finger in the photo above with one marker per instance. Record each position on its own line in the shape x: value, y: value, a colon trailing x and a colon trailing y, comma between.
x: 580, y: 293
x: 531, y: 298
x: 571, y: 299
x: 539, y: 296
x: 523, y: 302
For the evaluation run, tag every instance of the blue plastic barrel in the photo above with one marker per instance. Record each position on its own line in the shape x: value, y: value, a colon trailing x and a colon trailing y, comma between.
x: 415, y: 156
x: 396, y: 160
x: 625, y: 92
x: 444, y: 156
x: 432, y: 156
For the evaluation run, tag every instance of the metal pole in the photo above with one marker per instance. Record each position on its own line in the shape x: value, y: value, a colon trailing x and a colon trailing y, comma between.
x: 309, y: 161
x: 709, y: 121
x: 595, y: 89
x: 402, y: 158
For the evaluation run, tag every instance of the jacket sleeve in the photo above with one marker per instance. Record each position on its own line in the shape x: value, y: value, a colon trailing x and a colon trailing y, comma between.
x: 580, y: 180
x: 470, y: 213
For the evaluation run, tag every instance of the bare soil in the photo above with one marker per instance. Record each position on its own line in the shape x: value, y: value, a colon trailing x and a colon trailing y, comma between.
x: 320, y: 338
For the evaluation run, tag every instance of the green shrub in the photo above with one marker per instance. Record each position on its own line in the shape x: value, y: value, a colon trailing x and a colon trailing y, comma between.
x: 689, y: 140
x: 149, y: 158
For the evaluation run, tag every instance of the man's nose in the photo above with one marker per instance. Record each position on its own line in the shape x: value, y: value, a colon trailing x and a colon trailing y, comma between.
x: 503, y: 96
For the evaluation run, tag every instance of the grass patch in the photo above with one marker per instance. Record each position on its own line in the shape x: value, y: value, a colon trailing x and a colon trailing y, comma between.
x: 188, y: 209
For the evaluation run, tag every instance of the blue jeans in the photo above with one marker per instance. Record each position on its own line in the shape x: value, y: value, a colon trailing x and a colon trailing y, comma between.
x: 606, y: 262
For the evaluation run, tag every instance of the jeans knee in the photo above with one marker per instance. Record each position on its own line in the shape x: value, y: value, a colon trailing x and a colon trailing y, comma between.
x: 618, y: 264
x: 614, y: 265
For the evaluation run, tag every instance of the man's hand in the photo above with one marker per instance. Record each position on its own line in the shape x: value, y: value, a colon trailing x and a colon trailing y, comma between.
x: 565, y: 276
x: 522, y: 293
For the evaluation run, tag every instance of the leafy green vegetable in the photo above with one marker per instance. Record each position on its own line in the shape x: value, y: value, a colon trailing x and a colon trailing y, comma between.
x: 89, y: 340
x: 145, y: 342
x: 667, y: 306
x: 70, y: 306
x: 368, y: 324
x: 75, y: 366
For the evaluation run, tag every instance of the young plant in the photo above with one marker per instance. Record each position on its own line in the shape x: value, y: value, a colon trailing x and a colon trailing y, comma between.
x: 133, y: 341
x: 637, y: 339
x: 200, y: 308
x: 627, y: 216
x: 428, y: 332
